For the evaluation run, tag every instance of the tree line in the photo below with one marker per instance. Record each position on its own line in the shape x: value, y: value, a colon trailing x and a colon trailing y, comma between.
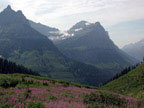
x: 123, y: 72
x: 8, y: 67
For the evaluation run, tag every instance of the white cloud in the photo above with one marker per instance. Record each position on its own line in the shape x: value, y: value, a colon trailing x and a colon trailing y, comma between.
x: 3, y: 4
x: 108, y: 12
x: 64, y: 13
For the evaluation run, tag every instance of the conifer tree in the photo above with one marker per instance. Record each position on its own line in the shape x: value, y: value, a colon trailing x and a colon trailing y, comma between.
x: 8, y: 67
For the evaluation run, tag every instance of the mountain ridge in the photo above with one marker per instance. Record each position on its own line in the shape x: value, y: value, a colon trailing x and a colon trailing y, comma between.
x: 92, y: 45
x: 135, y: 49
x: 20, y: 43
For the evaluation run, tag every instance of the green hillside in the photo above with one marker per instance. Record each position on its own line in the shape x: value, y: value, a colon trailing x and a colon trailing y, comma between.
x: 131, y: 84
x: 28, y: 91
x: 19, y: 88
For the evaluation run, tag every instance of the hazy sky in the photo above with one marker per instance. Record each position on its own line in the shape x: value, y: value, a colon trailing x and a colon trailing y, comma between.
x: 124, y: 19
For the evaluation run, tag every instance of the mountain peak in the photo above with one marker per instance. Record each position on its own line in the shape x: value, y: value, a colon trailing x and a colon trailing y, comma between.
x: 79, y: 25
x: 19, y: 12
x: 8, y: 16
x: 7, y: 11
x: 9, y: 7
x: 83, y: 22
x: 97, y: 23
x: 85, y: 25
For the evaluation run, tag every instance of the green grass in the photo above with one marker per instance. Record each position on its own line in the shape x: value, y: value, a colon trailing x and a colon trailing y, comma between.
x: 19, y: 80
x: 131, y: 84
x: 104, y: 98
x: 43, y: 90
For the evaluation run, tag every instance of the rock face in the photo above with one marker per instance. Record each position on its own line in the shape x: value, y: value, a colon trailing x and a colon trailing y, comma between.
x: 91, y: 44
x: 9, y: 16
x: 20, y: 43
x: 135, y: 50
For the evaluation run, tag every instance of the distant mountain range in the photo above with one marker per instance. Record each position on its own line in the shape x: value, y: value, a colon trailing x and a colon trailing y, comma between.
x: 135, y: 50
x: 20, y: 43
x: 91, y: 44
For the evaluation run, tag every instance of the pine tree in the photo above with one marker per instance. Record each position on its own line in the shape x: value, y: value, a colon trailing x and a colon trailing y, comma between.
x: 11, y: 67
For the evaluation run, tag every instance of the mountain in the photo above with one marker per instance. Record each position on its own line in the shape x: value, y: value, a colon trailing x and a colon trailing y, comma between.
x: 22, y: 44
x: 130, y: 84
x: 53, y: 34
x: 45, y: 30
x: 91, y: 44
x: 28, y: 91
x: 82, y: 25
x: 135, y: 50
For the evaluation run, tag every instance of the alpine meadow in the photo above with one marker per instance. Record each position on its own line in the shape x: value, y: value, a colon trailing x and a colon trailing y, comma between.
x: 71, y: 54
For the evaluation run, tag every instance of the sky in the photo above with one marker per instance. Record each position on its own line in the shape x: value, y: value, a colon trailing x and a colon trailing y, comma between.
x: 123, y: 19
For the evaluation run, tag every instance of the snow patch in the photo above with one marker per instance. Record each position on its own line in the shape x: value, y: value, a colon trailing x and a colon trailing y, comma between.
x: 56, y: 32
x: 54, y: 38
x: 64, y: 35
x: 76, y: 30
x: 87, y: 23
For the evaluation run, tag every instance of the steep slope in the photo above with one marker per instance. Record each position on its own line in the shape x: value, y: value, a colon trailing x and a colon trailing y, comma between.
x: 135, y: 50
x: 20, y: 43
x: 129, y: 84
x: 18, y: 90
x: 91, y: 44
x: 45, y: 30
